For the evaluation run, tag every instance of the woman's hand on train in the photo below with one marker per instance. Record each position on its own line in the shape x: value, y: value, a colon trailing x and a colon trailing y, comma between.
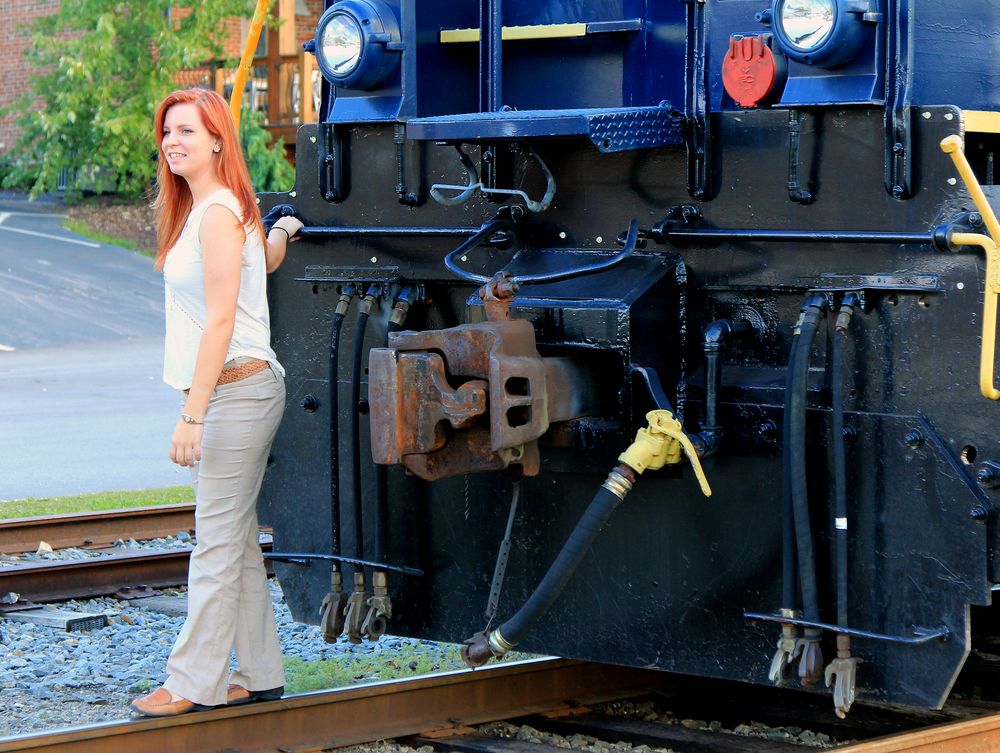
x: 290, y: 225
x: 185, y: 445
x: 278, y: 239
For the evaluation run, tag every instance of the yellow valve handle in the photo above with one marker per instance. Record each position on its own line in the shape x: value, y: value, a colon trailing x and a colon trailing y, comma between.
x: 663, y: 443
x: 952, y: 145
x: 243, y: 70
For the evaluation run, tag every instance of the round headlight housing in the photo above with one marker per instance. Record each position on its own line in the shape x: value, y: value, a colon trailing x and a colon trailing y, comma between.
x: 357, y: 43
x: 827, y: 33
x: 806, y: 24
x: 340, y: 44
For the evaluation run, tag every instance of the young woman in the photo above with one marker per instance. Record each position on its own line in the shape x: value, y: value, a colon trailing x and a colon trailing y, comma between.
x: 218, y: 351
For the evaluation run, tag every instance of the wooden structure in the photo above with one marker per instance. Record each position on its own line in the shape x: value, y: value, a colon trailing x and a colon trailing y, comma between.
x: 284, y: 79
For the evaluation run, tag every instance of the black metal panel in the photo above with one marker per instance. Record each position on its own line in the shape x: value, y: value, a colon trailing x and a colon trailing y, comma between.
x: 667, y: 583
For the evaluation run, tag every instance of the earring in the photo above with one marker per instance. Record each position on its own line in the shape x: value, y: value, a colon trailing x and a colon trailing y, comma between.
x: 218, y: 148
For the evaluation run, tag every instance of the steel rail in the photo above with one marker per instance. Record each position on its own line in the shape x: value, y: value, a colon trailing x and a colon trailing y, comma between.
x: 426, y: 705
x: 981, y: 735
x: 358, y: 714
x: 58, y: 580
x: 94, y: 529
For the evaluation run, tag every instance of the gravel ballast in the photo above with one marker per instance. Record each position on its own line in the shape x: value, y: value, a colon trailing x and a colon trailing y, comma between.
x: 51, y: 678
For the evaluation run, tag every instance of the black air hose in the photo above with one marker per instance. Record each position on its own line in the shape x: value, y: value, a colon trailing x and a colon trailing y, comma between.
x: 560, y: 571
x: 788, y: 582
x: 406, y: 297
x: 809, y: 325
x: 338, y: 322
x: 839, y: 470
x: 839, y: 460
x: 359, y: 350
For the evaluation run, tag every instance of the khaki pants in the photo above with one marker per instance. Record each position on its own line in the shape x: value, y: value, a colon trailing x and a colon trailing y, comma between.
x: 229, y: 605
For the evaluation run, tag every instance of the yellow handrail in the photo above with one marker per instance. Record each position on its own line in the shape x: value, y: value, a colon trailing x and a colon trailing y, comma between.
x: 988, y: 347
x: 243, y: 70
x: 952, y: 146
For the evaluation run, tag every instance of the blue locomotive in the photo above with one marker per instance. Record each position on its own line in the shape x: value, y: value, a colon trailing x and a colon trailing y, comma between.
x: 571, y: 266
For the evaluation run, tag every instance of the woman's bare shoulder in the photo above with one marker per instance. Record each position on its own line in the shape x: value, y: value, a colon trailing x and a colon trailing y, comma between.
x: 221, y: 223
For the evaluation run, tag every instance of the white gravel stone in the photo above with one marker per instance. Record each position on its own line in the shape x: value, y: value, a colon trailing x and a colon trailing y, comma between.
x: 53, y: 679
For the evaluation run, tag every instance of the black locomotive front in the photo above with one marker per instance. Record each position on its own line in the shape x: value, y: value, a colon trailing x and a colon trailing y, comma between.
x: 534, y: 230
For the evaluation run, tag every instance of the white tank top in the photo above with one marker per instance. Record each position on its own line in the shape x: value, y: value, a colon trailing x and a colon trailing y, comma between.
x: 184, y: 284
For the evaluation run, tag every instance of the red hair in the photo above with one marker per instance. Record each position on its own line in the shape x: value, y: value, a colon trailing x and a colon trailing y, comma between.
x: 173, y: 200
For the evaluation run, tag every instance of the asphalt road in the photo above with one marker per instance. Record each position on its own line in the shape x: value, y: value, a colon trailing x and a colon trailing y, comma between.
x: 82, y: 404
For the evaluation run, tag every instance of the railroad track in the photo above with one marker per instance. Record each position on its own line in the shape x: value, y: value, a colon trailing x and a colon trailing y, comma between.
x: 94, y: 529
x: 58, y: 580
x: 550, y: 695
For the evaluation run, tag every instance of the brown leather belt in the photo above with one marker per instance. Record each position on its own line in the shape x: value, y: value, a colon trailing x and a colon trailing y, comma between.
x: 242, y: 371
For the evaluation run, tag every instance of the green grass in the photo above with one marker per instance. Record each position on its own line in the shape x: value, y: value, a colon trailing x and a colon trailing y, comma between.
x: 81, y: 228
x: 348, y: 669
x: 27, y: 508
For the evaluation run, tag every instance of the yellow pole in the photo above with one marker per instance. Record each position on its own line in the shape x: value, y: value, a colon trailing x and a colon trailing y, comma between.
x: 952, y: 146
x: 244, y: 67
x: 987, y: 351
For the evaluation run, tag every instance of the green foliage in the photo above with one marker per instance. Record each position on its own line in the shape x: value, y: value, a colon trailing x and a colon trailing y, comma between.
x: 269, y: 170
x: 102, y: 67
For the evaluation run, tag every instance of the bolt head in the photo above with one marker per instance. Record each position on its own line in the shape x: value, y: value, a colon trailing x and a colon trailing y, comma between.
x: 979, y: 512
x: 767, y: 429
x: 913, y: 439
x: 986, y: 477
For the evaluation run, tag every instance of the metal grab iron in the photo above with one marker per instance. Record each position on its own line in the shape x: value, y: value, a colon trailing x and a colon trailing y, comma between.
x: 952, y: 146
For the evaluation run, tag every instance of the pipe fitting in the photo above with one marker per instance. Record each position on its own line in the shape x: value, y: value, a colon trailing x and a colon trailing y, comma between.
x: 354, y: 613
x: 482, y: 647
x: 332, y: 609
x: 371, y: 295
x: 406, y: 298
x: 346, y: 296
x: 847, y: 305
x: 379, y: 608
x: 785, y: 653
x: 813, y: 310
x: 841, y: 673
x: 619, y: 482
x: 811, y: 658
x: 663, y: 442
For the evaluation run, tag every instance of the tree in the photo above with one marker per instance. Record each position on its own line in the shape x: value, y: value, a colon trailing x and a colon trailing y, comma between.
x: 103, y: 65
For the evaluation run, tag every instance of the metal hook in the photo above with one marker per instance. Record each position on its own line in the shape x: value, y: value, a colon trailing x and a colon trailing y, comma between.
x: 467, y: 191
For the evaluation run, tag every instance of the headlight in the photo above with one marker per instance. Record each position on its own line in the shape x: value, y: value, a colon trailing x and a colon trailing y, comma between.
x: 340, y: 44
x: 357, y: 43
x: 827, y: 33
x: 807, y: 23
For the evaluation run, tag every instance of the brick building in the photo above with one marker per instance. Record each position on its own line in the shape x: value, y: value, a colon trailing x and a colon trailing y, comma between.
x: 275, y: 87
